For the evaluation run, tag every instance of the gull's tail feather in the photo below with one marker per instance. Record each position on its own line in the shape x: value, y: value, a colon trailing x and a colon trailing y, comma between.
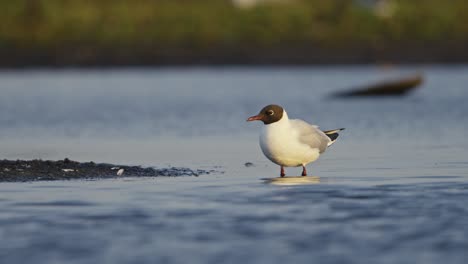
x: 333, y: 135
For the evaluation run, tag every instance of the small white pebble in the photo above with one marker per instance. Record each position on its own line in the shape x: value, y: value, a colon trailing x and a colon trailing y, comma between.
x: 120, y: 172
x: 68, y: 170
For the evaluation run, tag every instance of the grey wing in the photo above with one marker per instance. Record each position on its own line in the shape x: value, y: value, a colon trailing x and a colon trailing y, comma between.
x: 311, y: 135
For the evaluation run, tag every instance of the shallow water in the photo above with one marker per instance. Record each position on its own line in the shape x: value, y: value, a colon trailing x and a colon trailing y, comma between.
x: 393, y: 189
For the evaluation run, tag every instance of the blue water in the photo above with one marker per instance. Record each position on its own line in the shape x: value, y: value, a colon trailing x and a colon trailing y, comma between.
x: 393, y: 189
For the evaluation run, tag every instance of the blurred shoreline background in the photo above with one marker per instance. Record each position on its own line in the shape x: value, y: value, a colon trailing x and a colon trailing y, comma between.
x: 80, y: 33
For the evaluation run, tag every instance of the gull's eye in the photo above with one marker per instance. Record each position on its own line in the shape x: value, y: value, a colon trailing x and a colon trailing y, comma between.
x: 270, y: 112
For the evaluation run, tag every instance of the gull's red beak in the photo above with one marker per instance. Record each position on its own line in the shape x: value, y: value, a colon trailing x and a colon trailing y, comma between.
x: 254, y: 118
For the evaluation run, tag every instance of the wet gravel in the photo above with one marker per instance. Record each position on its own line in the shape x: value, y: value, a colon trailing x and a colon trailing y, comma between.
x: 48, y: 170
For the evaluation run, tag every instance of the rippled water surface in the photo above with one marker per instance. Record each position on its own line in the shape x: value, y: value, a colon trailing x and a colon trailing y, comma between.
x: 393, y: 189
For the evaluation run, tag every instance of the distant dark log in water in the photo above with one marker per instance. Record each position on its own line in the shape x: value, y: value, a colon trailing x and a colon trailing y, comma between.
x: 47, y: 170
x: 386, y: 88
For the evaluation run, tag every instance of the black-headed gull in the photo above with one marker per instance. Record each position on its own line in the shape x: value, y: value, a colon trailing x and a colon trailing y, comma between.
x: 291, y: 142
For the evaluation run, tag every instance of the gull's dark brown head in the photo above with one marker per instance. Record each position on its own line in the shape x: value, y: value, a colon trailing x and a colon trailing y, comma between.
x: 269, y: 114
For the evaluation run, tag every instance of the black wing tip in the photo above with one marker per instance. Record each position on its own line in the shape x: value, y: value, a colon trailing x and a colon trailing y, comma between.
x: 333, y: 131
x: 333, y: 134
x: 333, y: 137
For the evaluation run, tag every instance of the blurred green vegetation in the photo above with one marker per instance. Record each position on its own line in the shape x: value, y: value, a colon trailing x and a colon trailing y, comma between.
x: 156, y: 27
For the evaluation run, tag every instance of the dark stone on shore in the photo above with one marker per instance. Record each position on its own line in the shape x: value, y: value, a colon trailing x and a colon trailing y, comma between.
x: 47, y: 170
x: 249, y: 164
x: 396, y: 87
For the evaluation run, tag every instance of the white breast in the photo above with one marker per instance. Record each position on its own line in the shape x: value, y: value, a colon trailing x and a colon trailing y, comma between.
x: 281, y: 145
